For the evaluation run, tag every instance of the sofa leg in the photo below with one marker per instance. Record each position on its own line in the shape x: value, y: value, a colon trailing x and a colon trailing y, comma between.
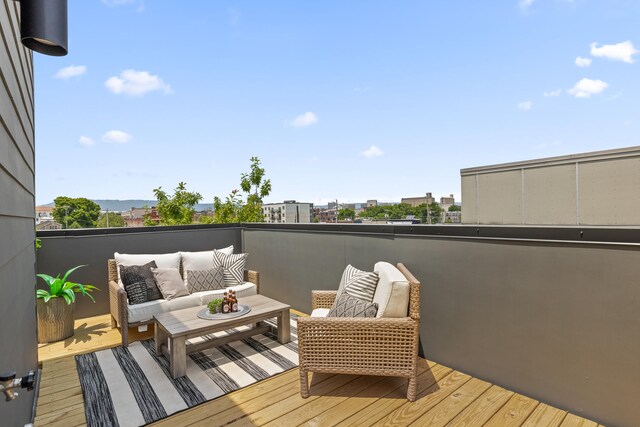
x: 411, y: 389
x: 304, y: 384
x: 124, y: 331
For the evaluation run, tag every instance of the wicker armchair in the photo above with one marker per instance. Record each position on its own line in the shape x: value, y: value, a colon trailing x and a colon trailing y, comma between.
x: 359, y: 346
x: 118, y: 300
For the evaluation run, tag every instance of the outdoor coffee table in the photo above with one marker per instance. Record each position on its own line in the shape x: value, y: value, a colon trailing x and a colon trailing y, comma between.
x: 173, y: 329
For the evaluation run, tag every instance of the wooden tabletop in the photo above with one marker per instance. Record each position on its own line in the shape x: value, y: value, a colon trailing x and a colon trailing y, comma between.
x: 187, y: 322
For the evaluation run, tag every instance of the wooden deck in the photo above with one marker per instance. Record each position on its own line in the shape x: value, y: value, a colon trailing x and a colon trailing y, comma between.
x: 445, y: 396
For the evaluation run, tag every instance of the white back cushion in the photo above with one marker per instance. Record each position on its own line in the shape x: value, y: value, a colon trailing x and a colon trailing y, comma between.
x: 199, y: 261
x: 162, y: 260
x: 392, y: 293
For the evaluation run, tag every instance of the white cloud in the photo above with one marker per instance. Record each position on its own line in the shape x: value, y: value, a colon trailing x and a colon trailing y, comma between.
x: 525, y: 105
x: 85, y: 141
x: 550, y: 93
x: 116, y: 137
x: 618, y: 52
x: 583, y: 62
x: 137, y: 83
x: 372, y: 151
x: 71, y: 71
x: 525, y: 4
x: 305, y: 119
x: 585, y: 88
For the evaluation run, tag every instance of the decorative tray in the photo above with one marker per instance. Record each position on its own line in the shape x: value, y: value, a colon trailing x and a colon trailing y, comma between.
x: 205, y: 314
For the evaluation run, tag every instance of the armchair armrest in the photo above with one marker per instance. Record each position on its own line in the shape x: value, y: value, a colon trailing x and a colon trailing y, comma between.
x: 253, y: 277
x: 118, y: 303
x: 322, y: 299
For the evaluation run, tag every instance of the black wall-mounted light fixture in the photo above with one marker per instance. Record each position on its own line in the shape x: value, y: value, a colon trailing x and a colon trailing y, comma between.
x: 43, y: 26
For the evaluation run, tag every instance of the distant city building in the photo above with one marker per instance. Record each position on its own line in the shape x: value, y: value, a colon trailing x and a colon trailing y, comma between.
x: 416, y: 201
x: 136, y: 216
x: 452, y: 217
x: 48, y: 225
x: 288, y: 212
x: 596, y: 188
x: 446, y: 202
x: 45, y: 220
x: 324, y: 215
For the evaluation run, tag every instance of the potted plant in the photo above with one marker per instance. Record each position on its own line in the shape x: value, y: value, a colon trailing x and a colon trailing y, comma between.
x: 55, y: 306
x: 215, y: 306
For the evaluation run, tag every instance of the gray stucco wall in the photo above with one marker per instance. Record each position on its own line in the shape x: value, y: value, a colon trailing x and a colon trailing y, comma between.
x: 557, y: 321
x: 18, y: 340
x: 62, y: 250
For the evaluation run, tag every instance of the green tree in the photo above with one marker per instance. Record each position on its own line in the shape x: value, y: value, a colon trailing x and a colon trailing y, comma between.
x: 435, y: 213
x: 455, y: 208
x: 77, y: 212
x: 115, y: 220
x: 177, y: 209
x: 237, y: 208
x: 346, y: 213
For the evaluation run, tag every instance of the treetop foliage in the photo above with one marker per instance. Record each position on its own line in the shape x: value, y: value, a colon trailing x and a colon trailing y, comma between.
x: 78, y: 212
x: 177, y: 209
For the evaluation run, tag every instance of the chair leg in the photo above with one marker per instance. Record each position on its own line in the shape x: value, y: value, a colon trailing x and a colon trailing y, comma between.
x: 411, y: 389
x: 304, y: 384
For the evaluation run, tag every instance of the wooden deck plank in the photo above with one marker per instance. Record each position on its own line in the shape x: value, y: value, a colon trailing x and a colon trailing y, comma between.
x: 545, y: 415
x: 386, y: 404
x: 410, y: 411
x: 514, y: 412
x: 572, y: 420
x: 483, y: 408
x: 451, y: 405
x: 390, y: 387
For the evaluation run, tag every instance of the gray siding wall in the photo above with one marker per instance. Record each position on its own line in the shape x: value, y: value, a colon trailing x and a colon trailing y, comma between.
x: 557, y: 321
x: 60, y: 253
x: 18, y: 340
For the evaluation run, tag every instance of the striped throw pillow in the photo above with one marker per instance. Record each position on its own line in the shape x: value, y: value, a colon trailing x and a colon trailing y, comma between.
x: 232, y: 265
x: 358, y: 283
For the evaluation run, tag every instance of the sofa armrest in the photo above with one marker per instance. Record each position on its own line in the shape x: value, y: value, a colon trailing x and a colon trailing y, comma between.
x: 322, y: 299
x: 378, y: 346
x: 118, y: 304
x: 253, y: 277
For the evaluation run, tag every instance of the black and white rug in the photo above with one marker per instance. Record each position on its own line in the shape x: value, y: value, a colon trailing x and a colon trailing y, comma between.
x: 132, y: 386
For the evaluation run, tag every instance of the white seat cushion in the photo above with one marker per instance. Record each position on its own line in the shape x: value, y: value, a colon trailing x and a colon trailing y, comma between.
x: 244, y: 290
x: 145, y: 311
x: 392, y: 293
x: 162, y: 260
x: 320, y: 312
x: 199, y: 261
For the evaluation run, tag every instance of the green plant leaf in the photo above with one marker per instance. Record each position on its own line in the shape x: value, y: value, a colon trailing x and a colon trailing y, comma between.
x: 64, y: 279
x: 41, y: 293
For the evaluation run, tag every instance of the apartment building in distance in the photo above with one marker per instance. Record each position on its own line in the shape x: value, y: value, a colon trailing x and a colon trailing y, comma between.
x: 595, y: 188
x: 287, y: 212
x: 416, y: 201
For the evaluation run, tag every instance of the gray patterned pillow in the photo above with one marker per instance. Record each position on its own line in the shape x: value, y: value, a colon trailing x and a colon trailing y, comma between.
x: 205, y: 280
x: 359, y: 283
x: 233, y: 266
x: 130, y: 274
x: 349, y: 306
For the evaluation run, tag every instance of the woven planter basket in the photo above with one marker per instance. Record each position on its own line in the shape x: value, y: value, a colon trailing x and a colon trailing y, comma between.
x: 55, y: 320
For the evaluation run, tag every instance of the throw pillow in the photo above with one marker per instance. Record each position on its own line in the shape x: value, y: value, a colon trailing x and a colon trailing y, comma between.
x: 130, y: 274
x: 233, y: 266
x: 136, y: 292
x: 170, y: 283
x: 200, y: 261
x: 205, y: 280
x: 162, y: 260
x: 361, y: 284
x: 349, y: 306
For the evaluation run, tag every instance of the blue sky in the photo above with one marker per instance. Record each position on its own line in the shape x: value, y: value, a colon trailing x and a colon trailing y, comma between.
x: 347, y: 100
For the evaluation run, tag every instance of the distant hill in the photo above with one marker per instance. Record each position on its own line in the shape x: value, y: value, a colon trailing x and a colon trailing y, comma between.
x: 125, y: 205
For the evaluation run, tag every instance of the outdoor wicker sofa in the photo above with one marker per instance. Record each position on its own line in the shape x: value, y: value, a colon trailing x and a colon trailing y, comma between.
x: 361, y: 346
x: 120, y: 308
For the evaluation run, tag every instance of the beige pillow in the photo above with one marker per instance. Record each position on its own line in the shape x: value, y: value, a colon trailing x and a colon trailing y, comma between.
x: 392, y: 293
x: 170, y: 283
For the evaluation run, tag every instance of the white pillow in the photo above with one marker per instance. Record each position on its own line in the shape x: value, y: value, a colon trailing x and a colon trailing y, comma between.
x: 392, y: 292
x: 199, y: 261
x: 162, y: 260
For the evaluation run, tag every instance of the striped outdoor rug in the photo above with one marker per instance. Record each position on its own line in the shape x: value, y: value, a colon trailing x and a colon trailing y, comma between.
x: 131, y: 386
